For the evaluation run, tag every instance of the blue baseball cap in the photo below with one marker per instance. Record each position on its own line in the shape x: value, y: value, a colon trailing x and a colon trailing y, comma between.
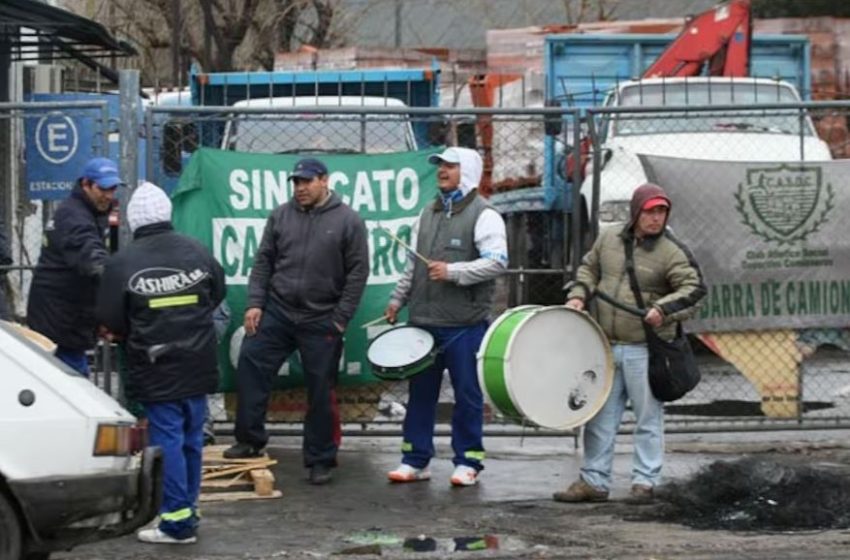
x: 308, y: 168
x: 103, y: 172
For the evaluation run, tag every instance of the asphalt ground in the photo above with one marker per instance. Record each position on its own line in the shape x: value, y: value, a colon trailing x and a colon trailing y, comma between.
x: 509, y: 514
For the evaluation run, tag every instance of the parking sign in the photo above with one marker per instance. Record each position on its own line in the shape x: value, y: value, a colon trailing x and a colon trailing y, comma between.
x: 58, y: 144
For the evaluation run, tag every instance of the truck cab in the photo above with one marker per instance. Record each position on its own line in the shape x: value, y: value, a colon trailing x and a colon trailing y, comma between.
x: 314, y: 132
x: 74, y: 467
x: 757, y: 135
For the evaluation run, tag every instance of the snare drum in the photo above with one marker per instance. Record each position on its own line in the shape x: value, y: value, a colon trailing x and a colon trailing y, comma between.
x: 401, y: 352
x: 551, y: 366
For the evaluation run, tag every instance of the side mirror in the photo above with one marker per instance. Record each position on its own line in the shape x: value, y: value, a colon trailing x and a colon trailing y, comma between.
x: 553, y: 125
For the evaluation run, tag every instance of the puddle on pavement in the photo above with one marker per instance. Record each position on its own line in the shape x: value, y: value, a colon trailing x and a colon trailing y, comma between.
x: 376, y: 541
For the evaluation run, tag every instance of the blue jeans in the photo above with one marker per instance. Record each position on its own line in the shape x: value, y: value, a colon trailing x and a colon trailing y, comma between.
x: 631, y: 382
x: 178, y: 428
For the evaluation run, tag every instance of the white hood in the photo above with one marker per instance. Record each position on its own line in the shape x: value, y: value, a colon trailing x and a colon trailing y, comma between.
x: 471, y: 168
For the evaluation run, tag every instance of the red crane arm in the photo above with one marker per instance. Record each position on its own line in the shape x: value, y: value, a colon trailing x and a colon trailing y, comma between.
x: 720, y: 37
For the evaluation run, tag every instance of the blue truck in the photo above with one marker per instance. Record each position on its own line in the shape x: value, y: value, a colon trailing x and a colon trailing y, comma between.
x: 311, y: 91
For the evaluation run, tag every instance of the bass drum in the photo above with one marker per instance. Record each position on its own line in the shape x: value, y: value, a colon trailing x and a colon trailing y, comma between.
x: 549, y: 366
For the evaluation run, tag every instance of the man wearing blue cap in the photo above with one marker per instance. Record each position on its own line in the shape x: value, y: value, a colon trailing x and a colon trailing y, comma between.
x: 308, y: 276
x: 64, y: 286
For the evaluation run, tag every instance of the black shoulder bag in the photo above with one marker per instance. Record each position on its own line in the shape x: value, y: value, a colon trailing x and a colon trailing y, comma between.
x: 672, y: 367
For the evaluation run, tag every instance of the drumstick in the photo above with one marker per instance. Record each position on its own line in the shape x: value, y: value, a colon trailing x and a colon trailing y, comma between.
x: 403, y: 244
x: 373, y: 322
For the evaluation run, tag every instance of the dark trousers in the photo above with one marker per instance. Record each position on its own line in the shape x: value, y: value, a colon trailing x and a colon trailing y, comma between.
x: 319, y: 344
x: 458, y: 347
x: 178, y: 428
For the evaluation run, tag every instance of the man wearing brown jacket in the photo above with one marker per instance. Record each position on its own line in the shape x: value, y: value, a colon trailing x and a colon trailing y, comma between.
x: 671, y: 285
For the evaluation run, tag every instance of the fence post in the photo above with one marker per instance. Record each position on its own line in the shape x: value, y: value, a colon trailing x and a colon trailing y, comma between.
x: 130, y: 102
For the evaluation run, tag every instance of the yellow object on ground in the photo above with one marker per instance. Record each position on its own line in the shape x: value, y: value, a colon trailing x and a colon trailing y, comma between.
x: 770, y: 360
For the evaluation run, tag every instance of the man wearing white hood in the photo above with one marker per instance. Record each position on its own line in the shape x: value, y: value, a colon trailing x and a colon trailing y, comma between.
x: 464, y: 240
x: 158, y: 295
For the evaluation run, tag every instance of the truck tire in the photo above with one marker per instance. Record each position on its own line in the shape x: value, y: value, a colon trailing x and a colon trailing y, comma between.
x: 10, y: 530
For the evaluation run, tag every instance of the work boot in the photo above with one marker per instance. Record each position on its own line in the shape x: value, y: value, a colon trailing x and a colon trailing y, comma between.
x: 242, y: 451
x: 581, y: 491
x: 641, y: 494
x: 320, y: 474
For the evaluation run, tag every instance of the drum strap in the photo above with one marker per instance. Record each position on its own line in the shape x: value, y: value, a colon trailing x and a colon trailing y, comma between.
x: 633, y: 282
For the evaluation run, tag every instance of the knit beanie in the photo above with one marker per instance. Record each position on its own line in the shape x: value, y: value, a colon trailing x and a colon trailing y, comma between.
x: 148, y: 205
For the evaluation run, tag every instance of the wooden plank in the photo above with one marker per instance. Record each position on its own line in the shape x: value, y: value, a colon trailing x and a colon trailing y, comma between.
x: 263, y: 481
x: 238, y: 469
x: 237, y: 496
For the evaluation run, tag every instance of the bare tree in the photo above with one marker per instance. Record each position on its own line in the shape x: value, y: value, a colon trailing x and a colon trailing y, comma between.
x: 220, y: 35
x: 578, y: 11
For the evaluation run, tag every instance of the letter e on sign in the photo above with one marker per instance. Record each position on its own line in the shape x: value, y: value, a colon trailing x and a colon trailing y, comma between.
x: 56, y: 137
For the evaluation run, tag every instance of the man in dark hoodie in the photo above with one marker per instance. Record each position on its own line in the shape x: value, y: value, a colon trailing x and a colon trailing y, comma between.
x: 158, y: 296
x: 64, y: 285
x: 308, y: 276
x: 671, y: 285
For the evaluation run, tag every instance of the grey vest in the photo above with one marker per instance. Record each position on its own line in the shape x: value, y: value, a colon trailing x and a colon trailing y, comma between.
x: 450, y: 239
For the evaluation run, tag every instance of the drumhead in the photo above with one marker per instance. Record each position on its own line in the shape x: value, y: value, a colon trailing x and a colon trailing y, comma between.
x: 556, y: 367
x: 400, y: 347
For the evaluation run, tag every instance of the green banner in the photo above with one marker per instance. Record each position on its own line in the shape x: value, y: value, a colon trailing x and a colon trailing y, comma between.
x: 224, y: 198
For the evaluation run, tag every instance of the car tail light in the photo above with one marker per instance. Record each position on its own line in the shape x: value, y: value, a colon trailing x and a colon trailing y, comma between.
x: 119, y: 439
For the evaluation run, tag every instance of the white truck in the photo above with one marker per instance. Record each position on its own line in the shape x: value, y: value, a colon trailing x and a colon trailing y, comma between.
x: 314, y: 132
x: 776, y: 135
x: 74, y: 467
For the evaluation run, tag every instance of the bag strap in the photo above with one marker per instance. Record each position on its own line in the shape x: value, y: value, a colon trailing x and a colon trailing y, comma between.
x: 629, y: 247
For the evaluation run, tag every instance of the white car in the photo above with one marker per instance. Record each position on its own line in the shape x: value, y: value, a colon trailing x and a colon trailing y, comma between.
x: 73, y: 463
x: 775, y: 135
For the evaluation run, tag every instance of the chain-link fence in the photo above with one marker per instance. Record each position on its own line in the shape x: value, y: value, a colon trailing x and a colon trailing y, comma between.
x: 775, y: 377
x: 774, y: 326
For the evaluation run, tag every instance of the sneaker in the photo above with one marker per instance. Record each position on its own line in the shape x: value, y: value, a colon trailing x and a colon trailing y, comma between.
x: 155, y: 536
x: 406, y: 473
x: 320, y: 474
x: 464, y: 475
x: 242, y: 451
x: 581, y: 491
x: 641, y: 494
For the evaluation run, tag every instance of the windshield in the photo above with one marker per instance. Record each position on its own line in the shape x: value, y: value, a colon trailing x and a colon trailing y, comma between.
x: 322, y: 133
x: 781, y: 121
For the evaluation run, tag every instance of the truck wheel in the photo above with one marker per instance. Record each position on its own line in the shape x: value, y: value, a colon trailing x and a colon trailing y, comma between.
x: 10, y: 530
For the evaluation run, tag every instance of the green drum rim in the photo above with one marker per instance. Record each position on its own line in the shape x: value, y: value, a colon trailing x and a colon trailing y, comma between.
x: 492, y: 359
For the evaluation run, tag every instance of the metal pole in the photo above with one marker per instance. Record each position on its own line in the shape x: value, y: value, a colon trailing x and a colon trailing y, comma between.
x: 130, y: 109
x: 578, y: 209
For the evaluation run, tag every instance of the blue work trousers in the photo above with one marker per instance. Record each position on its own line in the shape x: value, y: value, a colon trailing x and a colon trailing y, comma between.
x: 178, y: 428
x: 75, y: 359
x: 458, y: 347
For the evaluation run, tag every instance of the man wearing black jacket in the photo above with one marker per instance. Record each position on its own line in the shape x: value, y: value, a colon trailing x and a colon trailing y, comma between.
x: 308, y: 276
x: 158, y: 296
x: 64, y: 285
